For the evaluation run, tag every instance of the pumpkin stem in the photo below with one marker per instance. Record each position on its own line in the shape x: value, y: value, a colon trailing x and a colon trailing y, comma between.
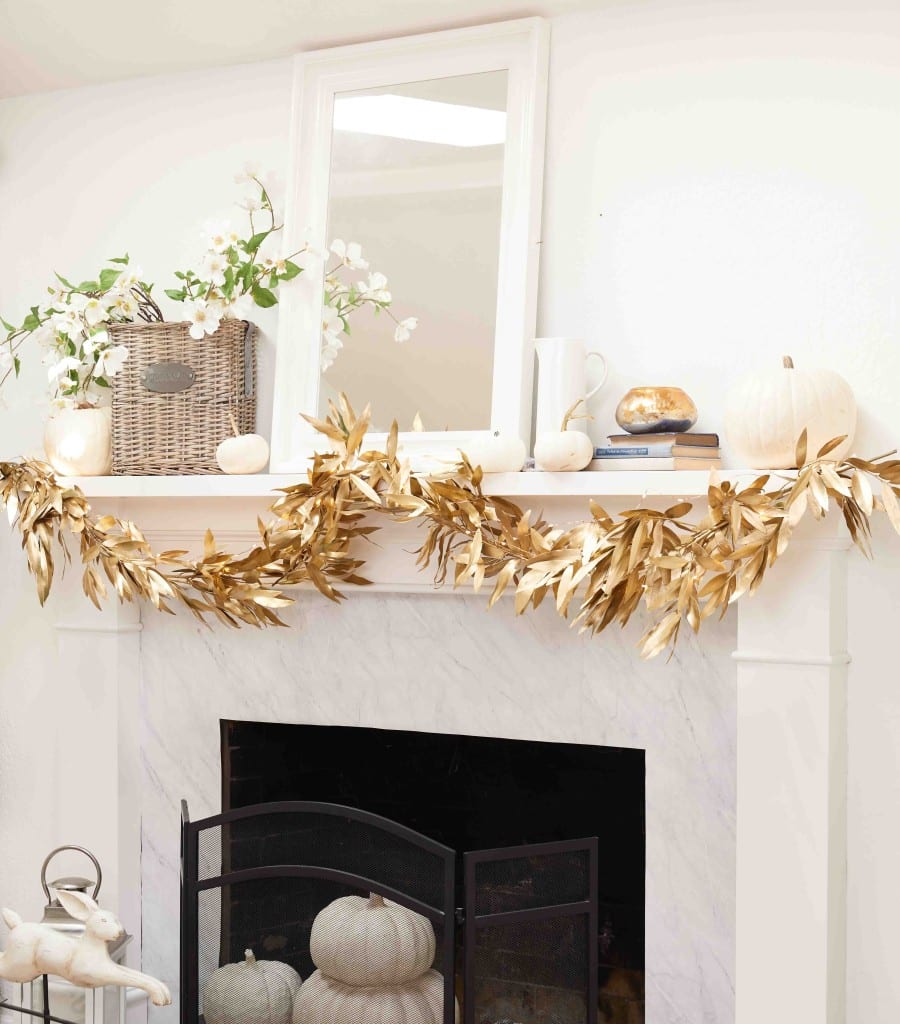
x: 570, y: 415
x: 788, y: 362
x: 375, y: 900
x: 249, y: 958
x: 234, y: 425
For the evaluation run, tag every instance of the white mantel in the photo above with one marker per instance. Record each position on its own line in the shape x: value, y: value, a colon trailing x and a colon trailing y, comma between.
x: 790, y: 663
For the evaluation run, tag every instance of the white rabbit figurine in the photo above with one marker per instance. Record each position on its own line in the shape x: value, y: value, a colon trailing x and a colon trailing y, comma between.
x: 36, y: 949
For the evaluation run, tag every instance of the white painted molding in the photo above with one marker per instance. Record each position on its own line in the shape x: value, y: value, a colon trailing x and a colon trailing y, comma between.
x: 766, y: 658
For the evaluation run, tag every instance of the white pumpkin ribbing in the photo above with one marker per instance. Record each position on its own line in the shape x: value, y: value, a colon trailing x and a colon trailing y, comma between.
x: 323, y: 1000
x: 251, y: 992
x: 767, y: 413
x: 371, y: 941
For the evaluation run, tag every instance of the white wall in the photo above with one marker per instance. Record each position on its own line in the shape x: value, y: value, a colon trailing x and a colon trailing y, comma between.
x: 721, y: 188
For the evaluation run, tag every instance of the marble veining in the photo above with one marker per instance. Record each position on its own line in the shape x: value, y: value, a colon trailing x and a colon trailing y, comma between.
x: 445, y: 665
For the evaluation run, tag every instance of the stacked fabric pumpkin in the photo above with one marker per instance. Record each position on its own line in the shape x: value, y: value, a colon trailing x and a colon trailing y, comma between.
x: 374, y: 962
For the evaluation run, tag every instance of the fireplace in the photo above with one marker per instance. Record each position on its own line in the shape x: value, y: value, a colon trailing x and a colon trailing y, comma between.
x: 526, y: 857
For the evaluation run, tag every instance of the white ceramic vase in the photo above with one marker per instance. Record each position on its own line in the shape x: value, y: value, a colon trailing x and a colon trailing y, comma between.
x: 562, y: 379
x: 78, y: 442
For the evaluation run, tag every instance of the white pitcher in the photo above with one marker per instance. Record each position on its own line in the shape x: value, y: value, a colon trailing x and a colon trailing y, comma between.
x: 562, y: 378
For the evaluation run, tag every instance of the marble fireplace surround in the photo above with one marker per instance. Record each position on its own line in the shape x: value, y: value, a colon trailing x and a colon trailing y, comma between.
x: 744, y: 734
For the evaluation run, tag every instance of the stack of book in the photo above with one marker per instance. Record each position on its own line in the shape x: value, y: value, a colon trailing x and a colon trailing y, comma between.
x: 658, y: 451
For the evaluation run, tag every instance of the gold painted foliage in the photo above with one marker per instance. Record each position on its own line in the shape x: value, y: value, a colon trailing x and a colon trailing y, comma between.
x: 597, y: 573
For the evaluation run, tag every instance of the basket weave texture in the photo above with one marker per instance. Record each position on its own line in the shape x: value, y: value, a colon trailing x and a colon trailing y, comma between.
x: 156, y: 434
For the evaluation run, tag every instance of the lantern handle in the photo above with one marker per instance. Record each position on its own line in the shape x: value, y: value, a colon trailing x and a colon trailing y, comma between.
x: 78, y: 849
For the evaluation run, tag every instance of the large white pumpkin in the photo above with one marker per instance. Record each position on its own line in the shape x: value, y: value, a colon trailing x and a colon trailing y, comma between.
x: 323, y: 1000
x: 251, y: 992
x: 371, y: 941
x: 767, y: 412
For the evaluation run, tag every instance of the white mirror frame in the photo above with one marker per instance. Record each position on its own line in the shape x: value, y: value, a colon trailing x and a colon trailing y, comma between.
x: 521, y: 48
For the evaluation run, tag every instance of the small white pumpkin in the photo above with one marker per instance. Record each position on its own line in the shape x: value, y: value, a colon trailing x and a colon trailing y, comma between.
x: 251, y: 992
x: 496, y: 453
x: 766, y: 414
x: 372, y: 941
x: 564, y: 450
x: 243, y: 453
x: 323, y: 1000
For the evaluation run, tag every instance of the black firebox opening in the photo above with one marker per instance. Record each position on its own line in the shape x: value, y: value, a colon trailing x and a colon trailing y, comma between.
x: 473, y: 793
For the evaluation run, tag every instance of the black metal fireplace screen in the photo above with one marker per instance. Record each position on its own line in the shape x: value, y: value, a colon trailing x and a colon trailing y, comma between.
x: 375, y: 918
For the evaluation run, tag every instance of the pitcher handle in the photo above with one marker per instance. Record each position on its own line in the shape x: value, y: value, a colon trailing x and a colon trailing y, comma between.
x: 597, y: 387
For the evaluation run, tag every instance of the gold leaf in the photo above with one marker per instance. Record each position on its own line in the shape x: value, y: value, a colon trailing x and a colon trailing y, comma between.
x: 861, y: 490
x: 800, y: 452
x: 891, y: 505
x: 830, y: 446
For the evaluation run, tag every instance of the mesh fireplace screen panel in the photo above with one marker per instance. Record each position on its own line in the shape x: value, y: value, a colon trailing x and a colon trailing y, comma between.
x: 258, y: 882
x: 324, y: 840
x: 532, y: 973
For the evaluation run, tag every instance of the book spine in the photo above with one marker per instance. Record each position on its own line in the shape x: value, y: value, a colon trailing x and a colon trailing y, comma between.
x: 658, y: 451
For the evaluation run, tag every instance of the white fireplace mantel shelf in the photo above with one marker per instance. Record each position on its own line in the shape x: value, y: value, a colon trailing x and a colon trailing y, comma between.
x: 662, y: 483
x: 791, y: 667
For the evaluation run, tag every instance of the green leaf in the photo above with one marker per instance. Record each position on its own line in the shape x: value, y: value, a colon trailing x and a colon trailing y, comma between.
x: 102, y: 381
x: 17, y: 363
x: 291, y: 270
x: 64, y: 282
x: 88, y: 286
x: 263, y: 297
x: 31, y: 322
x: 228, y: 287
x: 273, y: 280
x: 121, y: 260
x: 178, y: 295
x: 108, y: 277
x: 252, y: 244
x: 9, y: 327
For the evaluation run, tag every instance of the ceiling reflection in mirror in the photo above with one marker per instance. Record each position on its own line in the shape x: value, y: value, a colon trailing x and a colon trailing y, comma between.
x: 417, y: 183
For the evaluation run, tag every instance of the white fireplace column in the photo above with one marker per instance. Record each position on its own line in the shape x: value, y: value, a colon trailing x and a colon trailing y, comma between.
x: 96, y: 765
x: 791, y: 786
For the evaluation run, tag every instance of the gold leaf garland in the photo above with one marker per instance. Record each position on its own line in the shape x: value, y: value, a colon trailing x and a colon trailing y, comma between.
x: 600, y: 571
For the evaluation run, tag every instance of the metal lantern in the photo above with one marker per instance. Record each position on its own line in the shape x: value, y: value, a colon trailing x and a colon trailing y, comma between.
x: 57, y: 1000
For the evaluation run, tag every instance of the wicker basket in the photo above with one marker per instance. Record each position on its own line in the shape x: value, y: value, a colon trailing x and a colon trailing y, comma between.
x: 172, y: 399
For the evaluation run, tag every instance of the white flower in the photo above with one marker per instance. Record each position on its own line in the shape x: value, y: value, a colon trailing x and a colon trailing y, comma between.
x: 335, y: 286
x: 128, y: 279
x: 204, y: 318
x: 239, y: 308
x: 214, y: 267
x: 405, y: 328
x: 61, y: 368
x: 375, y: 288
x: 95, y: 311
x: 97, y: 340
x: 220, y: 236
x: 330, y: 352
x: 6, y: 360
x: 350, y: 254
x: 69, y: 323
x: 61, y: 402
x: 125, y: 305
x: 57, y: 294
x: 250, y: 203
x: 250, y: 171
x: 111, y: 360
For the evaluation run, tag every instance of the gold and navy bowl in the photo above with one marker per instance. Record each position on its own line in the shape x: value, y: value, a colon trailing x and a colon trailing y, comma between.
x: 656, y: 411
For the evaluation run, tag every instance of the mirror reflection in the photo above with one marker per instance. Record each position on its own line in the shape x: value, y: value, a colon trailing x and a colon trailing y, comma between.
x: 414, y: 209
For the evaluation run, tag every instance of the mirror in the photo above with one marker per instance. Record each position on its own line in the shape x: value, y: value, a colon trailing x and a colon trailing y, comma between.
x: 417, y: 166
x: 417, y: 181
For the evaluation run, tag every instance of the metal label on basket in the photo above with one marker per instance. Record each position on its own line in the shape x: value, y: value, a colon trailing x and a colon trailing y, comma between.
x: 168, y: 378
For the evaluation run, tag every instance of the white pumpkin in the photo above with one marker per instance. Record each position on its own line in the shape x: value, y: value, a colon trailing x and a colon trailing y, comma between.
x: 78, y: 442
x: 496, y: 453
x: 767, y: 413
x: 563, y: 451
x: 371, y: 941
x: 246, y: 453
x: 323, y: 1000
x: 251, y: 992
